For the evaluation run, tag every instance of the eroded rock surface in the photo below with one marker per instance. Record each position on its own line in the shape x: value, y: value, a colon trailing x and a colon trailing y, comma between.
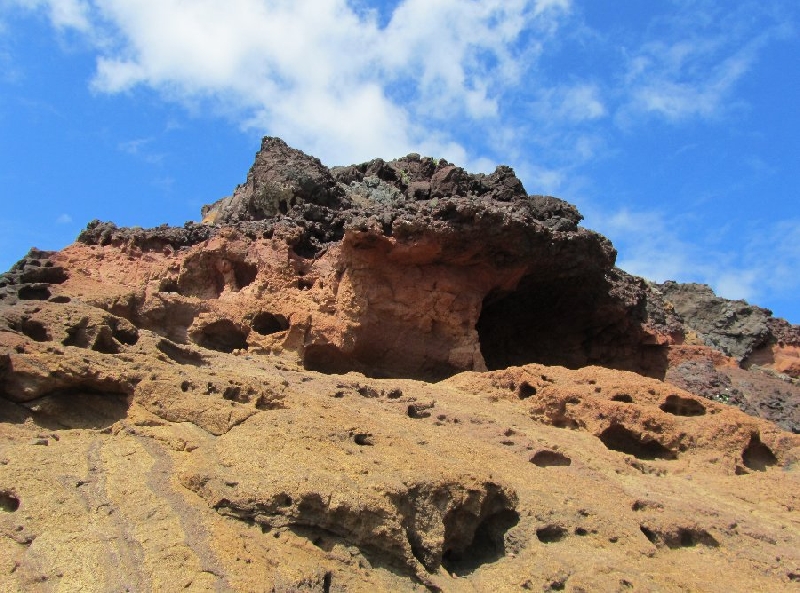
x: 242, y: 404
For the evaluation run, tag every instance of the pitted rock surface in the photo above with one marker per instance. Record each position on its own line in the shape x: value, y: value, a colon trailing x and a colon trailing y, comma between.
x: 246, y: 403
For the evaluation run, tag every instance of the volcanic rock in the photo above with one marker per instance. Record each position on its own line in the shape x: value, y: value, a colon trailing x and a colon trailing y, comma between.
x: 248, y: 403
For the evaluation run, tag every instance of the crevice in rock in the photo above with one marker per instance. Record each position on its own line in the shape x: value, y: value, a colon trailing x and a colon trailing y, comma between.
x: 622, y: 398
x: 649, y: 534
x: 758, y: 456
x: 642, y: 446
x: 682, y: 406
x: 180, y: 354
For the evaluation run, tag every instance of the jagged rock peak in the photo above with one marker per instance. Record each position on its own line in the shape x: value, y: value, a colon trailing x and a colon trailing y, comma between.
x: 283, y: 179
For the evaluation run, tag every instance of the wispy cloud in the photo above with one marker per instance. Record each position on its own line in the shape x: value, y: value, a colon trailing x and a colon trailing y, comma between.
x: 73, y: 14
x: 139, y: 148
x: 64, y: 219
x: 692, y: 68
x: 571, y: 103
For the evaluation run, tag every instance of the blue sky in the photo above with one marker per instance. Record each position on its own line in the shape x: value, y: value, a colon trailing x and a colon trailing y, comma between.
x: 673, y: 125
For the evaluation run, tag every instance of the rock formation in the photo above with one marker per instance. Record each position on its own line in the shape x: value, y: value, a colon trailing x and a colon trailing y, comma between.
x: 249, y: 403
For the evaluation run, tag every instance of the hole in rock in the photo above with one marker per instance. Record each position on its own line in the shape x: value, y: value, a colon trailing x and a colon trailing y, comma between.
x: 487, y: 545
x: 8, y: 501
x: 305, y: 283
x: 757, y: 456
x: 77, y: 335
x: 679, y: 537
x: 33, y: 293
x: 686, y: 538
x: 125, y: 335
x: 682, y: 406
x: 93, y: 405
x: 104, y: 342
x: 222, y: 336
x: 206, y: 273
x: 234, y: 393
x: 327, y: 358
x: 547, y: 458
x: 44, y: 275
x: 623, y: 398
x: 35, y: 330
x: 363, y: 439
x: 580, y: 531
x: 266, y: 323
x: 618, y: 438
x: 367, y: 391
x: 60, y: 299
x: 168, y: 285
x: 550, y: 534
x: 564, y: 321
x: 244, y: 273
x: 526, y: 390
x: 418, y: 411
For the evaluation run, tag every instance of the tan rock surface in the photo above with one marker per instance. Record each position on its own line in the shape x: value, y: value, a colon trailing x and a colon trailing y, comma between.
x: 202, y: 470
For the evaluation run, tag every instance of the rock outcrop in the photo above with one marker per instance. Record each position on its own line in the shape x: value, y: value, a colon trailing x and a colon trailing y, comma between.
x: 247, y: 403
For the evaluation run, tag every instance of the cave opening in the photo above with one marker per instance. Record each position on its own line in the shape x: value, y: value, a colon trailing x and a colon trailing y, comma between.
x: 487, y: 545
x: 565, y: 320
x: 758, y: 456
x: 265, y: 323
x: 222, y: 335
x: 642, y: 446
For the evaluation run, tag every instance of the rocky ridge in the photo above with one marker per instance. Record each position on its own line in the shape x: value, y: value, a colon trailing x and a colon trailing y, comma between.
x: 258, y: 390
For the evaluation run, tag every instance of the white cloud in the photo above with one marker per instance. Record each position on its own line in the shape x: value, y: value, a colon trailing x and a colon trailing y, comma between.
x: 64, y: 219
x: 322, y: 73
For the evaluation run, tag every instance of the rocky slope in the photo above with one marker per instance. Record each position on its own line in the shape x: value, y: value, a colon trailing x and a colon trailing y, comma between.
x: 251, y: 402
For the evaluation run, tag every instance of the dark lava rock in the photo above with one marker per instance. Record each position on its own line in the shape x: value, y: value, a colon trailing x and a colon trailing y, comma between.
x: 736, y: 328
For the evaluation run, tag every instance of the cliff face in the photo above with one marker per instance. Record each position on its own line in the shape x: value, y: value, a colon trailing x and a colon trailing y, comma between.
x: 256, y: 389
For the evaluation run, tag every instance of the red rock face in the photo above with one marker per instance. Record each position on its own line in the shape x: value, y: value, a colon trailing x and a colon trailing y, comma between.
x: 410, y: 268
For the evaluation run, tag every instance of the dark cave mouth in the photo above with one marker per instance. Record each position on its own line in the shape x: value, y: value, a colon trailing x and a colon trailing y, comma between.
x: 570, y: 321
